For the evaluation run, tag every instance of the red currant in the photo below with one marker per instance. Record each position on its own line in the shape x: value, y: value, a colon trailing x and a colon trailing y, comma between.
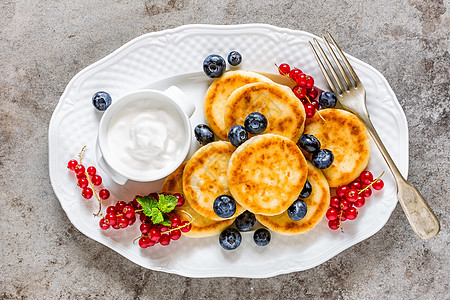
x: 81, y: 175
x: 163, y: 228
x: 312, y: 93
x: 103, y: 224
x: 333, y: 224
x: 351, y: 213
x: 96, y: 180
x: 79, y: 169
x: 315, y: 104
x: 72, y: 164
x: 360, y: 201
x: 91, y: 170
x: 143, y: 242
x: 111, y: 218
x: 136, y: 205
x: 87, y: 193
x: 116, y: 226
x: 334, y: 202
x: 303, y: 101
x: 341, y: 191
x: 351, y: 195
x: 143, y: 218
x: 128, y: 211
x: 301, y: 80
x: 299, y: 91
x: 356, y: 185
x: 175, y: 222
x: 366, y: 177
x: 123, y: 222
x: 309, y: 110
x: 294, y: 73
x: 153, y: 195
x: 284, y: 69
x: 175, y: 234
x: 120, y: 206
x: 111, y: 210
x: 343, y: 217
x: 332, y: 214
x: 378, y: 185
x: 155, y: 234
x: 366, y: 193
x: 165, y: 239
x: 145, y: 228
x: 345, y: 204
x: 83, y: 182
x: 185, y: 228
x: 131, y: 220
x: 309, y: 82
x: 104, y: 194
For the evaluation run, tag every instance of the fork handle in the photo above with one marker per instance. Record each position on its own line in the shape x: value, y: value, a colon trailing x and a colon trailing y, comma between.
x: 422, y: 219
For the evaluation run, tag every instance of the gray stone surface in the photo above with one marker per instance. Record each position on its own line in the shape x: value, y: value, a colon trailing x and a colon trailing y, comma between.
x: 43, y: 44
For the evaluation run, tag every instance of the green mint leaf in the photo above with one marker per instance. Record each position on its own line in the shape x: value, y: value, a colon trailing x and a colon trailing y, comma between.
x: 157, y: 216
x: 166, y: 223
x: 167, y: 203
x: 147, y: 203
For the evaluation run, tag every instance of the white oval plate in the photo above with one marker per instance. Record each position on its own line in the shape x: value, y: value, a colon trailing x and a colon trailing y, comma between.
x: 155, y: 56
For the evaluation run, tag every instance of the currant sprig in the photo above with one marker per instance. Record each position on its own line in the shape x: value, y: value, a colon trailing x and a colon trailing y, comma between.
x: 304, y: 88
x: 87, y: 180
x: 349, y: 197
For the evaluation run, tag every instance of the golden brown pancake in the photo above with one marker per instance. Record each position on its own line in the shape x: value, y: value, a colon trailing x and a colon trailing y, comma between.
x: 201, y: 226
x: 346, y: 136
x: 266, y: 174
x: 217, y: 95
x: 205, y: 178
x: 284, y: 112
x: 317, y: 204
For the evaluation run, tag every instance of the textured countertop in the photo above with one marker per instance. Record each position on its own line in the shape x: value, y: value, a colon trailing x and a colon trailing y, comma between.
x: 43, y: 44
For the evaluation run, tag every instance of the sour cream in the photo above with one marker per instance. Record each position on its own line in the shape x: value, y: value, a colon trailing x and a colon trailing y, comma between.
x: 145, y: 137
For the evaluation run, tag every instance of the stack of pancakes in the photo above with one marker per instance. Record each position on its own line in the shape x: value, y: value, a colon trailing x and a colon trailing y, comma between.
x: 266, y: 174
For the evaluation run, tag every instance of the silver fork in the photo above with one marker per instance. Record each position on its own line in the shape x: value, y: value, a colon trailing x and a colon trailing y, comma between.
x: 352, y: 96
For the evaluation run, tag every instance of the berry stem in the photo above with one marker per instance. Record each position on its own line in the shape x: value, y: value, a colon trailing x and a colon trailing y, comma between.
x: 371, y: 184
x: 340, y: 219
x: 185, y: 225
x: 90, y: 183
x: 307, y: 98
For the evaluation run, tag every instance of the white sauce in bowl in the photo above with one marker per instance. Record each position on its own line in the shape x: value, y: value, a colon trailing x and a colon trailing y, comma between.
x: 144, y: 136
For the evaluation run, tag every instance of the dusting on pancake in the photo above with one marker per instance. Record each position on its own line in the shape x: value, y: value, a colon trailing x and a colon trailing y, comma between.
x: 217, y: 95
x: 284, y: 111
x: 205, y: 178
x: 346, y: 136
x: 266, y: 174
x: 317, y: 204
x: 201, y: 226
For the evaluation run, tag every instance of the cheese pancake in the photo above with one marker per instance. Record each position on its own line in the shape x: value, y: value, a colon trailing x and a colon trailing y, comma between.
x: 217, y: 95
x: 201, y: 226
x: 316, y: 204
x: 205, y: 178
x: 284, y: 111
x: 266, y: 174
x: 346, y: 136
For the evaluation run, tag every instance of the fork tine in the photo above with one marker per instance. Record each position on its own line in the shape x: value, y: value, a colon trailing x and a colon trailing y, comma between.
x: 324, y: 71
x: 347, y: 64
x: 330, y: 66
x: 338, y: 63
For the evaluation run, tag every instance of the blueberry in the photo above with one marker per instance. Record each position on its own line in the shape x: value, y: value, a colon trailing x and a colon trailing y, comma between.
x: 327, y: 99
x: 234, y: 58
x: 307, y: 190
x: 245, y: 221
x: 224, y: 206
x: 309, y: 143
x: 297, y: 210
x: 101, y: 100
x: 255, y: 123
x: 214, y: 66
x: 322, y: 158
x: 261, y: 237
x: 237, y: 135
x: 203, y: 134
x: 230, y: 239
